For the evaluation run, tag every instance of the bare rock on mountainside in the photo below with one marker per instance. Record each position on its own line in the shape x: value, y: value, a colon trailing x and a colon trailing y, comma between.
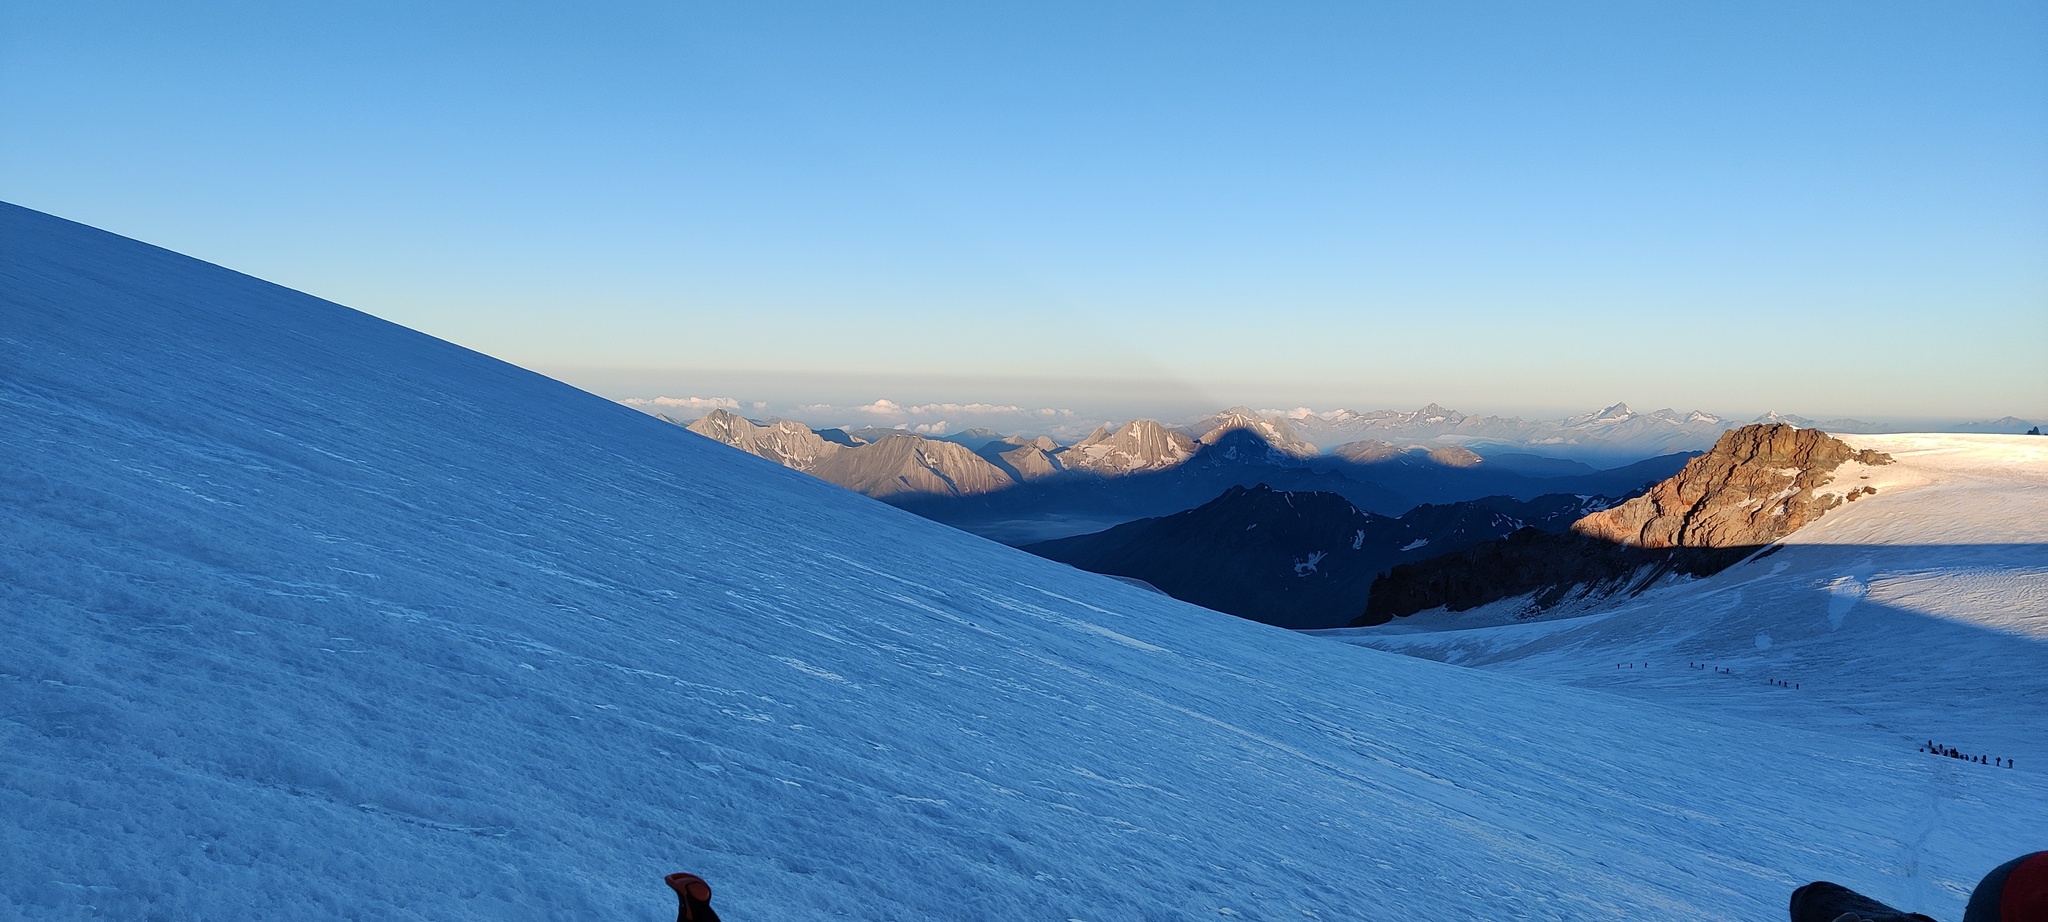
x: 896, y: 463
x: 1454, y: 456
x: 1277, y: 433
x: 1757, y: 485
x: 1375, y: 451
x: 909, y: 464
x: 1367, y: 451
x: 790, y: 444
x: 1023, y: 459
x: 1137, y: 446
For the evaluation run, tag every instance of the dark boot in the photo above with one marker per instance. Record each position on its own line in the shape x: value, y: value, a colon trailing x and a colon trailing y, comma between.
x: 1821, y: 901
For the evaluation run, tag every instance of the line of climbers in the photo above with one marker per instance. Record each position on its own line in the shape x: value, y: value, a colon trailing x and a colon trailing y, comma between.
x: 1954, y: 753
x: 1722, y: 670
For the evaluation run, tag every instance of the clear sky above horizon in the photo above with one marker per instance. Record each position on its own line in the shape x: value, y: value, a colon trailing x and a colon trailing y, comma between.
x: 1820, y: 208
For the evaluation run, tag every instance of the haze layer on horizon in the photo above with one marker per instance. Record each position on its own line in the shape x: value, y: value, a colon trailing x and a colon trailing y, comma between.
x: 1832, y: 209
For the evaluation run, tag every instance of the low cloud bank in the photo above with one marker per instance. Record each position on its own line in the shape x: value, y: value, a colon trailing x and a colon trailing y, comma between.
x: 934, y: 419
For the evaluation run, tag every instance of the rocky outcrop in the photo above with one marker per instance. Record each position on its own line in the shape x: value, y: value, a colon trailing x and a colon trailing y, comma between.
x: 1758, y: 484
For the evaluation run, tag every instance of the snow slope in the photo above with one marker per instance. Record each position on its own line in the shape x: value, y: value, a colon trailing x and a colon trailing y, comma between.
x: 1916, y: 614
x: 302, y: 624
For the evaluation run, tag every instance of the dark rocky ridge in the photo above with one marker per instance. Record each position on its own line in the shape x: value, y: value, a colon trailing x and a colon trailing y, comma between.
x: 1756, y: 486
x: 1296, y: 559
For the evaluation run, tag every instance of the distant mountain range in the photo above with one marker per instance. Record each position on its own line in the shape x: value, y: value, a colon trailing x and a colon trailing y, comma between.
x: 1298, y: 560
x: 1022, y: 490
x: 1604, y: 438
x: 1614, y: 433
x: 2002, y: 425
x: 886, y: 462
x: 1316, y: 560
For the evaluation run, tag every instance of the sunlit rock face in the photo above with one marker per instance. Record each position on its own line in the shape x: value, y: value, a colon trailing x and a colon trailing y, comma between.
x: 1276, y: 432
x: 1759, y: 483
x: 790, y: 444
x: 909, y: 464
x: 1139, y: 445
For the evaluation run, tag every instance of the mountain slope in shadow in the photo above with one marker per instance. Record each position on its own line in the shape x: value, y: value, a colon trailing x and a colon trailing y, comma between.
x: 1077, y: 501
x: 1020, y: 491
x: 1296, y: 559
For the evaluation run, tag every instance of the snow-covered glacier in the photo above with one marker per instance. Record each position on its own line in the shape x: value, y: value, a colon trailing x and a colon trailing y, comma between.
x: 300, y: 622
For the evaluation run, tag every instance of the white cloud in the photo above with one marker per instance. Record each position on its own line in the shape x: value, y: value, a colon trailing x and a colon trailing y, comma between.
x: 883, y: 406
x: 1303, y: 413
x: 927, y: 409
x: 943, y: 418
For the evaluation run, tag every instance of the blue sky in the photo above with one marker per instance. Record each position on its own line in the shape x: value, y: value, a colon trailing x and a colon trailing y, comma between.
x: 1828, y: 209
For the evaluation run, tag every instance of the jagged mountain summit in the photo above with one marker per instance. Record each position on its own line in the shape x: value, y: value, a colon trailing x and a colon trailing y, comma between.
x: 790, y: 444
x: 312, y: 615
x: 908, y: 464
x: 1024, y: 459
x: 892, y: 464
x: 1139, y: 446
x: 1279, y: 437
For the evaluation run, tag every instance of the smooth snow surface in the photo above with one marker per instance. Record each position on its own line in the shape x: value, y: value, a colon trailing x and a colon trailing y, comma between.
x: 302, y: 623
x: 1916, y: 614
